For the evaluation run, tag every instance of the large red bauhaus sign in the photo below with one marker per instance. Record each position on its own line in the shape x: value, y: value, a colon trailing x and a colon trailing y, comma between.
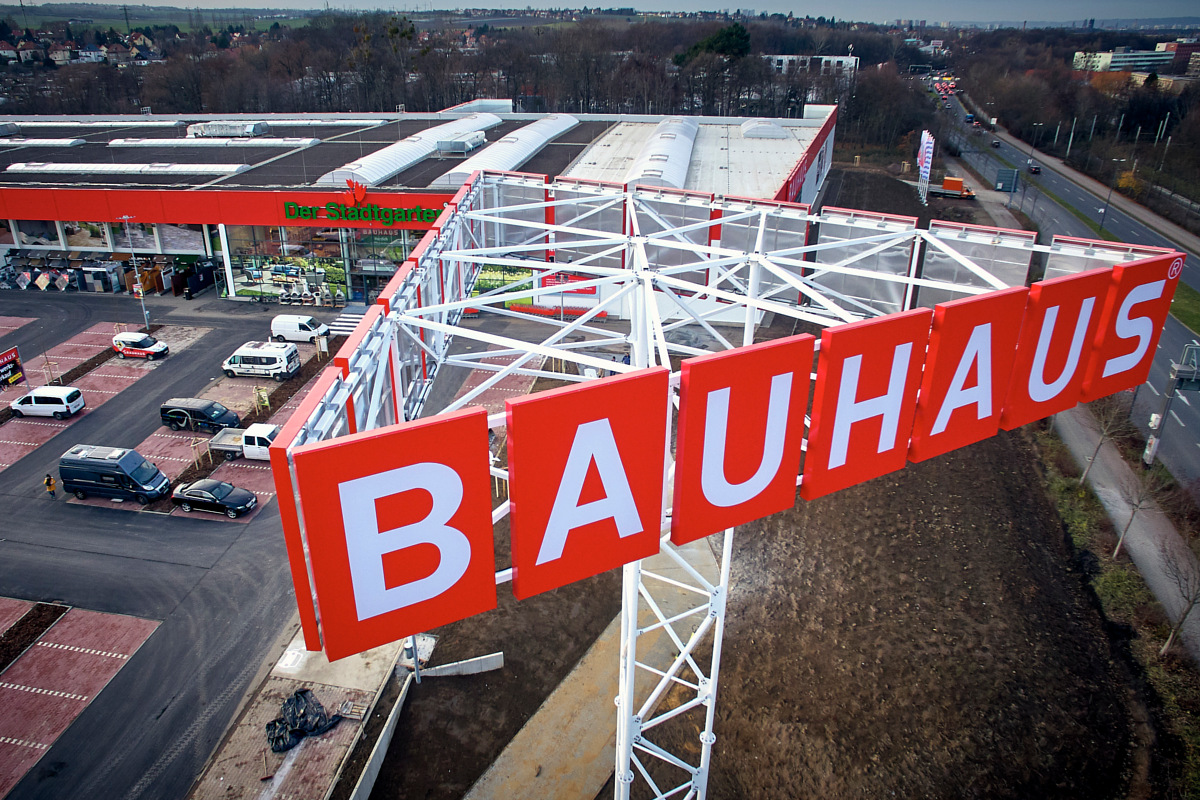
x: 398, y: 519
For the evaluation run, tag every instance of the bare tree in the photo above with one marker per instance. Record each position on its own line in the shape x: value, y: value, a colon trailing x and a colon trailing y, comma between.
x: 1179, y: 564
x: 1150, y: 489
x: 1112, y: 420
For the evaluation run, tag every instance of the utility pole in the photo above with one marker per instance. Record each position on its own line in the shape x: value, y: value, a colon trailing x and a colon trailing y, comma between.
x: 128, y: 27
x: 1070, y: 139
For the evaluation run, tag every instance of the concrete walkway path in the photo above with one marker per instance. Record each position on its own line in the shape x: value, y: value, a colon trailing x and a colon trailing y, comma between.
x: 1115, y: 483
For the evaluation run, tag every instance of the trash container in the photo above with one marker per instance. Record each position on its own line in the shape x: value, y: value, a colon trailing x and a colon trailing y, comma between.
x: 187, y: 293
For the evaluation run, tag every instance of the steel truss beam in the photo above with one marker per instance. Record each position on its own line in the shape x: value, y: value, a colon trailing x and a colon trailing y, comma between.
x: 655, y: 276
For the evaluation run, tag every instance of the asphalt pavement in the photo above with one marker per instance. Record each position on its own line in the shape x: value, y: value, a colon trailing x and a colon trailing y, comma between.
x: 222, y: 592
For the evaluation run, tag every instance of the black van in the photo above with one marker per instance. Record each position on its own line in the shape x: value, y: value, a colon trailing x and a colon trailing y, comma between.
x: 196, y: 414
x: 88, y: 469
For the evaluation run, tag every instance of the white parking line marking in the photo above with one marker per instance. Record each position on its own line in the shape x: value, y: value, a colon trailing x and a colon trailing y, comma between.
x: 1177, y: 419
x: 1150, y: 386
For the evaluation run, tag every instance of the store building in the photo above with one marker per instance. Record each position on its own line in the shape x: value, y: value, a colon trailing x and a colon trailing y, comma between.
x: 275, y: 204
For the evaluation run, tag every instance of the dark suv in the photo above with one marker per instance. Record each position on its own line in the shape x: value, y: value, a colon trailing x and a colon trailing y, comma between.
x: 196, y: 414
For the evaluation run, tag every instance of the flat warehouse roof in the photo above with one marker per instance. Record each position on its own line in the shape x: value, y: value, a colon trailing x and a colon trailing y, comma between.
x: 601, y: 147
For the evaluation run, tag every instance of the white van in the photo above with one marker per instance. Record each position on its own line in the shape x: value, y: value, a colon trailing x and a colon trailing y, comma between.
x: 297, y: 328
x: 59, y: 402
x: 263, y: 360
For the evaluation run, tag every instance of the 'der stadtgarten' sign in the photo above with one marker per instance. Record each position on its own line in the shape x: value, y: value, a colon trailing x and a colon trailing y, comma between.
x: 370, y: 212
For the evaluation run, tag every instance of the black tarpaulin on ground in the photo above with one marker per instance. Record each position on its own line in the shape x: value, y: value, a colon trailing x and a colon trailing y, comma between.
x: 300, y: 715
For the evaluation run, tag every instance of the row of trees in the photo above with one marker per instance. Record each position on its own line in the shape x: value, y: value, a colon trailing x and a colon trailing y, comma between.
x: 342, y: 62
x: 1138, y: 137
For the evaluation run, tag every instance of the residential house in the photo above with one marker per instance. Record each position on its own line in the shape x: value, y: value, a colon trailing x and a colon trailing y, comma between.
x: 7, y: 51
x: 30, y: 51
x: 116, y: 53
x: 61, y: 54
x: 90, y: 54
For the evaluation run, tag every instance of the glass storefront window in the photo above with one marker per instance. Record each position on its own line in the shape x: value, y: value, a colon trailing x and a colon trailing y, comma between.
x: 181, y: 238
x: 86, y: 235
x: 38, y: 233
x: 135, y: 236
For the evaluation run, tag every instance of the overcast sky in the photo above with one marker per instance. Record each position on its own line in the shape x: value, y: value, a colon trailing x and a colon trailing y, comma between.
x: 854, y: 10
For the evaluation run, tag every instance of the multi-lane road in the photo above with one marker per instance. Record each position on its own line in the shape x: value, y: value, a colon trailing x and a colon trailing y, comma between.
x: 1055, y: 200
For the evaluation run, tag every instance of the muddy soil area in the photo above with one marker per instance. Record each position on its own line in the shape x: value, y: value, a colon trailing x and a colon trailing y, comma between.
x: 921, y: 635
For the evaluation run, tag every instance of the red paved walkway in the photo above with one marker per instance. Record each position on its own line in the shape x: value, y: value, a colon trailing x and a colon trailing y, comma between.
x: 43, y: 692
x: 10, y: 324
x: 11, y: 610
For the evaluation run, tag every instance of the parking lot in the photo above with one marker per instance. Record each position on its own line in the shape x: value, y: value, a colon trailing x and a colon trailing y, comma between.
x: 211, y: 599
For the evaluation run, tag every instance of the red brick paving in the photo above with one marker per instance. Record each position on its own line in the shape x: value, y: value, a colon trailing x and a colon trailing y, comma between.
x: 305, y: 771
x: 11, y: 609
x: 10, y: 324
x: 507, y: 388
x: 45, y: 689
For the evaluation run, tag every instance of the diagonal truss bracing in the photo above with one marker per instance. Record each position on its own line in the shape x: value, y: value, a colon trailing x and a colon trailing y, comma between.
x: 579, y: 280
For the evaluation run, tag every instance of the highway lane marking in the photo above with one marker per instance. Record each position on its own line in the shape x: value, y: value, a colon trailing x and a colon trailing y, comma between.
x: 34, y: 690
x: 89, y: 651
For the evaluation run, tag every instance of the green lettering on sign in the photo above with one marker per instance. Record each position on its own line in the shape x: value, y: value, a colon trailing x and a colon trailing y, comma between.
x: 335, y: 212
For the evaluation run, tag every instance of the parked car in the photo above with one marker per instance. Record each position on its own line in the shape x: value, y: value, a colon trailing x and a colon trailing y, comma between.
x: 88, y: 469
x: 216, y: 496
x: 132, y: 344
x: 297, y: 328
x: 197, y: 414
x: 263, y: 360
x: 995, y: 142
x: 59, y: 402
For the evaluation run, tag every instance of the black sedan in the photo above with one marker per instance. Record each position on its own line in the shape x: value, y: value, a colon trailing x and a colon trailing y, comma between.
x: 216, y: 496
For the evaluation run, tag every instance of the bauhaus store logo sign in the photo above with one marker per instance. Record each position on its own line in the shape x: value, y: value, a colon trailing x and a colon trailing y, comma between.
x: 399, y: 521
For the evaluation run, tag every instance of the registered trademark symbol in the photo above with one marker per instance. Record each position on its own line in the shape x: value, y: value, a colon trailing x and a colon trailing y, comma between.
x: 1176, y: 268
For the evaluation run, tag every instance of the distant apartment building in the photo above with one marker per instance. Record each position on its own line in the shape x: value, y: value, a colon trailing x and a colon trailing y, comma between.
x: 1193, y: 68
x: 1183, y: 50
x: 1122, y: 59
x: 840, y: 66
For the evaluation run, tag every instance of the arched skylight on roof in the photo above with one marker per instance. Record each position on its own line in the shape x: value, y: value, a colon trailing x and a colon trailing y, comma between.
x: 48, y: 168
x: 665, y: 157
x: 512, y: 151
x: 377, y: 167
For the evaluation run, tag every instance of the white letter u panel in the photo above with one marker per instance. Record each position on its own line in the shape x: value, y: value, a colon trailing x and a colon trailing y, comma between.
x: 741, y: 433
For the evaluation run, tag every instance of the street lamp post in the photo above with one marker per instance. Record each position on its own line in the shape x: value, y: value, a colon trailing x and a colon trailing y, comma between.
x: 141, y: 288
x: 1033, y: 138
x: 1111, y: 184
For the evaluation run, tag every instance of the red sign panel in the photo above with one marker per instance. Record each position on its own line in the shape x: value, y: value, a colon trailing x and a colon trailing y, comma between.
x: 1056, y: 341
x: 866, y: 396
x: 561, y: 279
x: 967, y: 367
x: 741, y: 430
x: 586, y: 478
x: 1133, y: 317
x: 11, y: 372
x: 349, y: 209
x: 399, y: 529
